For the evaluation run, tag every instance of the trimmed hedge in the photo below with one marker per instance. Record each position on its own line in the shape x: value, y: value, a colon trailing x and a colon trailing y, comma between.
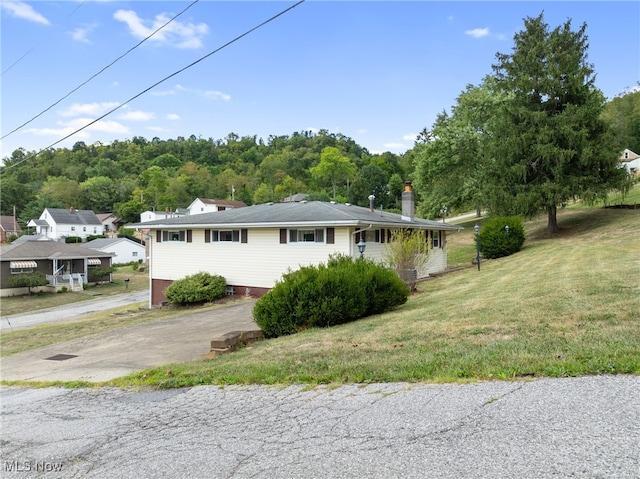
x: 198, y: 288
x: 341, y: 291
x: 496, y: 241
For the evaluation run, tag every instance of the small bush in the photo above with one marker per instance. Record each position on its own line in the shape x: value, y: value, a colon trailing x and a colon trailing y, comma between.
x: 73, y: 239
x: 496, y: 241
x: 28, y: 280
x: 99, y: 274
x: 198, y: 288
x: 341, y: 291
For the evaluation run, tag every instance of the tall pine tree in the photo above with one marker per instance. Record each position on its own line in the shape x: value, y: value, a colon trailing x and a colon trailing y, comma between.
x: 549, y: 143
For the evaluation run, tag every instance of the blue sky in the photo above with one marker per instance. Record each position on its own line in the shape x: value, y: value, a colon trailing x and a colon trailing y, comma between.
x: 378, y: 72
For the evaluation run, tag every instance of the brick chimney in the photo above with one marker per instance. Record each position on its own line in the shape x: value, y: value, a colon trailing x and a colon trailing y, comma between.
x: 72, y: 210
x: 408, y: 202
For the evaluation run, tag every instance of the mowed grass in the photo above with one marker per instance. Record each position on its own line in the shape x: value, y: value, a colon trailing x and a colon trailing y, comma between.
x: 563, y: 306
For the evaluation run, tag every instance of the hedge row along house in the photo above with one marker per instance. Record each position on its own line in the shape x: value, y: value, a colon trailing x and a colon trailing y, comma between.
x: 253, y: 247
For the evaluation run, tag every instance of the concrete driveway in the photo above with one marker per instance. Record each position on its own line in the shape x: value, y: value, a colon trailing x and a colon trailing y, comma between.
x: 106, y: 356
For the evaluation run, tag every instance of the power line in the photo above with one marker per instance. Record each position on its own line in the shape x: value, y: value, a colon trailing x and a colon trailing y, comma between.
x: 96, y: 74
x: 31, y: 49
x: 161, y: 81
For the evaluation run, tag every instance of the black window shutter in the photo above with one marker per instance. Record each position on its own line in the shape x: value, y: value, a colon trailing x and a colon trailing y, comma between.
x: 293, y: 236
x: 189, y: 236
x: 207, y: 236
x: 377, y: 235
x: 357, y: 238
x: 283, y: 236
x: 244, y: 235
x: 159, y: 236
x: 331, y: 236
x: 383, y: 233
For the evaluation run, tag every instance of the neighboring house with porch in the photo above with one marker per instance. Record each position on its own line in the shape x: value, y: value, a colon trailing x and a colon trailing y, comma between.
x: 252, y: 247
x: 205, y: 205
x: 60, y: 223
x: 631, y: 162
x: 110, y: 223
x: 8, y: 226
x: 64, y: 265
x: 124, y: 249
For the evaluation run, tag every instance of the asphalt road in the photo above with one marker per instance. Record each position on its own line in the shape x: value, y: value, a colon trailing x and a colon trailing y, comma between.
x: 70, y: 311
x: 552, y: 428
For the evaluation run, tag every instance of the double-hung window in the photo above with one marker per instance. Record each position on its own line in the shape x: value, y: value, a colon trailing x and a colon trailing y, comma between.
x: 306, y: 236
x: 179, y: 236
x: 230, y: 236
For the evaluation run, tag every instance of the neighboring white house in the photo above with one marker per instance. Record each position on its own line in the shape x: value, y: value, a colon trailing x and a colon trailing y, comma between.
x: 161, y: 215
x: 110, y: 222
x: 631, y: 161
x: 124, y: 249
x: 252, y: 247
x: 204, y: 205
x: 60, y: 223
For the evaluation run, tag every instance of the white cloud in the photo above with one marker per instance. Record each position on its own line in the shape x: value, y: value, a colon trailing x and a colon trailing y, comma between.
x: 68, y: 127
x: 138, y: 115
x: 362, y: 131
x: 96, y: 109
x: 217, y: 95
x: 410, y: 137
x: 25, y: 11
x: 477, y: 32
x: 181, y: 35
x: 158, y: 129
x: 395, y: 146
x: 173, y: 116
x: 80, y: 34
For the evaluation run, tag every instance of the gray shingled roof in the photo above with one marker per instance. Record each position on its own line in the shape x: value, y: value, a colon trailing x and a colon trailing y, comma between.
x: 100, y: 243
x: 8, y: 223
x: 63, y: 216
x: 31, y: 250
x: 229, y: 203
x: 316, y: 213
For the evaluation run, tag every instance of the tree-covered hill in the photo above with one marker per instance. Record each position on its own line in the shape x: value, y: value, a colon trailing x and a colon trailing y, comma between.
x: 132, y: 176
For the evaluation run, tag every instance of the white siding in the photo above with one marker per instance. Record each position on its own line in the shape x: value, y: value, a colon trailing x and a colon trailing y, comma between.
x: 263, y: 260
x: 260, y: 262
x: 124, y: 251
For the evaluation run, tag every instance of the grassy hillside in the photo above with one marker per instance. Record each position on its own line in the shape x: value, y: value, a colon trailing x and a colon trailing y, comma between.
x: 561, y: 307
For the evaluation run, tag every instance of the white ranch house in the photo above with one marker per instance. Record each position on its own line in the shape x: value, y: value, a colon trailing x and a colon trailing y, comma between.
x: 252, y: 247
x: 124, y: 249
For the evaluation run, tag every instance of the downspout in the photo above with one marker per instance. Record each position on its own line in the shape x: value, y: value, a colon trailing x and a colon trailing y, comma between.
x: 150, y: 239
x: 359, y: 231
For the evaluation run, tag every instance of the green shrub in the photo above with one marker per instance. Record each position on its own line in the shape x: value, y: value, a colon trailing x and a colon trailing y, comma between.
x: 99, y: 274
x: 341, y: 291
x: 198, y: 288
x: 92, y: 237
x: 73, y: 239
x: 28, y: 280
x: 496, y: 240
